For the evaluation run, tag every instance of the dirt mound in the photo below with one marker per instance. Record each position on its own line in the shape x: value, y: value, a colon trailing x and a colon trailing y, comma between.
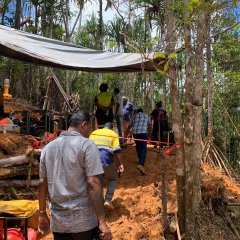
x: 15, y: 106
x: 215, y: 184
x: 14, y: 144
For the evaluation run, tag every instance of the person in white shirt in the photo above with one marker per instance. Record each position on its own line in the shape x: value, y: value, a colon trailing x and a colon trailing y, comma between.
x: 118, y: 110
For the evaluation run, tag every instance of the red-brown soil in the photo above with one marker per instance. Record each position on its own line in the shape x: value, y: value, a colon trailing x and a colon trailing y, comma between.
x: 137, y: 199
x: 12, y: 144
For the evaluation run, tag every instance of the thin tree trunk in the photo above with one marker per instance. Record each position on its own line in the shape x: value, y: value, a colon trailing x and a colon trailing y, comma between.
x: 189, y: 128
x: 36, y: 19
x: 18, y: 14
x: 198, y: 105
x: 177, y: 121
x: 4, y: 10
x: 209, y: 76
x: 164, y: 97
x: 100, y: 25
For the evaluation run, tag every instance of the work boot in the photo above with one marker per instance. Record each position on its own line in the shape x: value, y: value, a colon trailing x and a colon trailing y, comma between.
x: 141, y: 169
x: 108, y: 205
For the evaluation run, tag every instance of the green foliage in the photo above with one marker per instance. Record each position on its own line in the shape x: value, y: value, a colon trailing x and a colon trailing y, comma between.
x: 160, y: 55
x: 172, y: 55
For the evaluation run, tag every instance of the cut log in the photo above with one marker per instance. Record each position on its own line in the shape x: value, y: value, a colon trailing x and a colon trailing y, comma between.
x: 172, y: 225
x: 18, y: 171
x: 37, y: 152
x: 13, y: 161
x: 18, y: 183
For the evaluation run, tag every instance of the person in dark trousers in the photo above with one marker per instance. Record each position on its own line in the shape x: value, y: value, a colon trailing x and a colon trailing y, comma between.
x: 104, y: 102
x: 70, y: 172
x: 140, y: 127
x: 164, y: 127
x: 155, y: 121
x: 159, y: 119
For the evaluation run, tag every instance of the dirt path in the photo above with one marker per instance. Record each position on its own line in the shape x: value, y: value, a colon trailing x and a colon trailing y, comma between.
x: 137, y: 202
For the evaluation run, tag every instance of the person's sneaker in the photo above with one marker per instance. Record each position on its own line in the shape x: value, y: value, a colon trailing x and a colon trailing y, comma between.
x: 141, y: 169
x: 108, y: 205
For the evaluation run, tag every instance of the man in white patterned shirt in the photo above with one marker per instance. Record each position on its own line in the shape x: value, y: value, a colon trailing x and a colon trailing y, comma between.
x: 140, y: 127
x: 69, y: 170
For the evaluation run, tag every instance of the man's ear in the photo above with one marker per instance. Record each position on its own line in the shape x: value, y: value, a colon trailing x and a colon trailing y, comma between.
x: 84, y: 123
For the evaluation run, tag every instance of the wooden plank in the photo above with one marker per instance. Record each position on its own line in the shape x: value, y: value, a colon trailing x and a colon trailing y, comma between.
x: 61, y: 90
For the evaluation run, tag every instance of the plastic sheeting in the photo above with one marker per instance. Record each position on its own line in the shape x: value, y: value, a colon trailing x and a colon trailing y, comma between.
x: 49, y: 52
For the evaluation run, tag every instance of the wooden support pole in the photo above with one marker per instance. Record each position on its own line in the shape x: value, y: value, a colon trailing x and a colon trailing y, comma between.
x: 65, y: 97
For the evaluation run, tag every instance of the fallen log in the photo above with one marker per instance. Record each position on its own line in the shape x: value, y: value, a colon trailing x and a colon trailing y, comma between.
x: 13, y: 161
x: 18, y: 183
x: 18, y: 171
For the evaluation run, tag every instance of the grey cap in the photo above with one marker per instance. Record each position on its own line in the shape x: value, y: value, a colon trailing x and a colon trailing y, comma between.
x: 108, y: 125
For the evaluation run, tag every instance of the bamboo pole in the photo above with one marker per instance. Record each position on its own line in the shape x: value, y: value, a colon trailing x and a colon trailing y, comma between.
x: 226, y: 161
x: 222, y: 163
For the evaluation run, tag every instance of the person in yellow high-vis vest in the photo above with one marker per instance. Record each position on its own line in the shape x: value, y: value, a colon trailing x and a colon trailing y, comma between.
x: 104, y: 103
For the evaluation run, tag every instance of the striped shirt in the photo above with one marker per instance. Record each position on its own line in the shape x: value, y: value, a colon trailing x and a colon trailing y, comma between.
x: 140, y: 123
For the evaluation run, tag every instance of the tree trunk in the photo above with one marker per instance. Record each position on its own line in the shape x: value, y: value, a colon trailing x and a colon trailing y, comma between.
x: 177, y: 121
x: 198, y: 106
x: 100, y: 28
x: 4, y: 10
x: 18, y: 14
x: 209, y: 76
x: 164, y: 97
x: 189, y: 128
x: 36, y: 19
x: 193, y: 121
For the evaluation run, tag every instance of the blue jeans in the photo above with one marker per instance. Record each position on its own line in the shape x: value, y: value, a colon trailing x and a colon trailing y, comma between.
x: 141, y: 147
x: 119, y: 124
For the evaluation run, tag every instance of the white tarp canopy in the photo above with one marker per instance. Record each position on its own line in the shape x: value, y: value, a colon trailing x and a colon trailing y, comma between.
x: 49, y: 52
